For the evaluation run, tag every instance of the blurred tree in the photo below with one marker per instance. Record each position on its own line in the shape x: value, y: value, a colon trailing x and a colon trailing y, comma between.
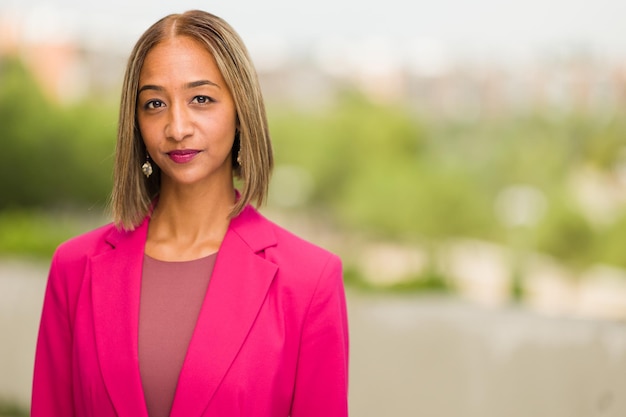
x: 52, y: 155
x: 373, y: 167
x: 380, y: 169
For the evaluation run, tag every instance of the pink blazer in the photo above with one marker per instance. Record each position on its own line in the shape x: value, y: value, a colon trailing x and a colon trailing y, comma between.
x: 271, y: 338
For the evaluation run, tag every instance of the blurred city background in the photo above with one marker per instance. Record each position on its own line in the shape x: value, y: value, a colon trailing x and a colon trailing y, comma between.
x: 467, y: 160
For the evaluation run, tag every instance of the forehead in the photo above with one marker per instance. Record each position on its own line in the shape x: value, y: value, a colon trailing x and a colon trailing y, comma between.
x: 179, y: 56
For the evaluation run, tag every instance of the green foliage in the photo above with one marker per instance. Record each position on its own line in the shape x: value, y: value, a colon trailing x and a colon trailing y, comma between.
x: 566, y: 234
x: 52, y: 155
x: 430, y: 281
x: 610, y: 243
x: 375, y: 167
x: 11, y: 409
x: 380, y: 169
x: 35, y: 233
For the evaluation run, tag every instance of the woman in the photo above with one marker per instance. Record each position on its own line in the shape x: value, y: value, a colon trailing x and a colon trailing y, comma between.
x: 191, y: 303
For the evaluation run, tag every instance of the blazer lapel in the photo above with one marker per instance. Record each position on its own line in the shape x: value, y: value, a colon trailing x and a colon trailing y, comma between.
x: 116, y: 286
x: 238, y: 287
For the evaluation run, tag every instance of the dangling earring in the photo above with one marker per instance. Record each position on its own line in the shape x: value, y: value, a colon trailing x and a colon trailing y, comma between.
x: 238, y: 140
x: 146, y: 168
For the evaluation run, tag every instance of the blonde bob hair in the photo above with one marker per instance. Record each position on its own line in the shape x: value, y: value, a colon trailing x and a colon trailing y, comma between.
x: 133, y: 193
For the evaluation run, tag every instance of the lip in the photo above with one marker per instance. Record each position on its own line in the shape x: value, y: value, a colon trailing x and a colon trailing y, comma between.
x: 182, y: 156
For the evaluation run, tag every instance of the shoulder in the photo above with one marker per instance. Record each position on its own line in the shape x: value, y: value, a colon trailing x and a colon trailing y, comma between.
x: 299, y: 260
x: 262, y: 234
x: 70, y: 261
x: 84, y: 246
x: 297, y: 248
x: 312, y: 276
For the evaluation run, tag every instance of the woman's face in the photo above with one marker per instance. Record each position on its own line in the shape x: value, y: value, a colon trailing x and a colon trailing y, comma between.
x: 186, y: 114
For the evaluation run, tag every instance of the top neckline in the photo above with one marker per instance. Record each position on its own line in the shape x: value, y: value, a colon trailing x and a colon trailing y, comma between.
x: 204, y: 258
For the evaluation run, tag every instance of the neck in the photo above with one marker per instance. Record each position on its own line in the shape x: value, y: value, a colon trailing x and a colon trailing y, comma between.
x: 189, y: 223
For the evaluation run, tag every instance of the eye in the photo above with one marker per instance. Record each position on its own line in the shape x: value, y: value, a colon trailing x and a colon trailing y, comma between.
x: 202, y: 100
x: 154, y: 104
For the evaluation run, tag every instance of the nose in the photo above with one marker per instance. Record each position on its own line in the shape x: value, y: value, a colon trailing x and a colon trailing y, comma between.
x: 179, y: 125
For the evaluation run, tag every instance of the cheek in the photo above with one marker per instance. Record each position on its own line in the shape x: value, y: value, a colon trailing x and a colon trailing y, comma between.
x: 220, y: 130
x: 147, y: 132
x: 142, y: 125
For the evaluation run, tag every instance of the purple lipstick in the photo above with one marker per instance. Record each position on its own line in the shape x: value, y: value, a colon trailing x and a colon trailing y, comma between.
x: 183, y: 156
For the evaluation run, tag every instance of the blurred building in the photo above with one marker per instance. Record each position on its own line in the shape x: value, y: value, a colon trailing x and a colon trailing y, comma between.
x: 67, y: 66
x: 436, y: 83
x: 70, y: 64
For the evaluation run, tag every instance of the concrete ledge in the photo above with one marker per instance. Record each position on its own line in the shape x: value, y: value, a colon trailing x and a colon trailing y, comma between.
x: 412, y: 355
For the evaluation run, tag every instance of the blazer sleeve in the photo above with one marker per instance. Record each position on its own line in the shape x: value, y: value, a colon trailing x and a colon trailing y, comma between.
x: 52, y: 379
x: 321, y: 387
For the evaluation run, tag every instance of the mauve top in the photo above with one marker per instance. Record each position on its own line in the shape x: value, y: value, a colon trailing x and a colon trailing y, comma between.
x: 171, y: 297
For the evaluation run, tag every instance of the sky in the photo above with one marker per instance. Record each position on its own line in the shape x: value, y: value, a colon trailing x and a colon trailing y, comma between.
x: 509, y: 28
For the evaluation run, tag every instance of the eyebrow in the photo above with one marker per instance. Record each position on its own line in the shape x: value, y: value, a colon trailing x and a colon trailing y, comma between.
x: 189, y: 85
